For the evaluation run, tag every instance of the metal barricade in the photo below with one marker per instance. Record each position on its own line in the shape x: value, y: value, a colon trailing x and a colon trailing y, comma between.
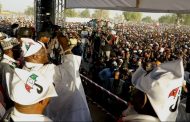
x: 109, y: 101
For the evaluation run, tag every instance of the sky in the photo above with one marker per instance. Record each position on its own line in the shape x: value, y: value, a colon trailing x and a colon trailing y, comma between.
x: 16, y: 5
x: 21, y: 5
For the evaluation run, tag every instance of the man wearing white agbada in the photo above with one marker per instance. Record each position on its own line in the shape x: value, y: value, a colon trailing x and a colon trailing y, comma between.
x: 11, y: 49
x: 31, y: 93
x: 12, y: 52
x: 70, y: 105
x: 162, y: 86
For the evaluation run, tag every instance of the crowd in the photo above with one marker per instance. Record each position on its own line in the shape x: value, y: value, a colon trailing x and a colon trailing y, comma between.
x: 114, y: 53
x: 31, y: 86
x: 138, y: 62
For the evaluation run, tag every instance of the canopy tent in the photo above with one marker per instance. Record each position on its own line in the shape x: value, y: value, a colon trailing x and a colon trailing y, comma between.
x: 164, y: 6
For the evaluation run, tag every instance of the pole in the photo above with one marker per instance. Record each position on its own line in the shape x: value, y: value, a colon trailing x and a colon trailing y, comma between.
x: 64, y: 14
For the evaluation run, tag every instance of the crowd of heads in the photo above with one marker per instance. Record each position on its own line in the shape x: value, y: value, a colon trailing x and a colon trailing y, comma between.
x: 113, y: 51
x: 140, y: 44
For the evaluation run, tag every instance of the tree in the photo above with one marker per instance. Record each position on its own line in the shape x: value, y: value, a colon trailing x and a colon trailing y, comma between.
x: 118, y: 18
x: 169, y: 19
x: 186, y: 19
x: 132, y: 16
x: 100, y: 14
x: 70, y: 13
x: 85, y: 13
x: 29, y: 11
x: 147, y: 19
x: 175, y: 19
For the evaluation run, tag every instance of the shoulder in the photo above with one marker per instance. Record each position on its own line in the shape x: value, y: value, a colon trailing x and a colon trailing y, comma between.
x: 5, y: 67
x: 49, y: 66
x: 140, y: 118
x: 2, y: 64
x: 46, y: 119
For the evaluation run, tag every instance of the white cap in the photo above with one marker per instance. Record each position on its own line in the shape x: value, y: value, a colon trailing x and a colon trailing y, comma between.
x: 162, y: 50
x: 140, y: 51
x: 30, y: 47
x: 163, y: 88
x: 113, y: 32
x: 28, y: 88
x: 114, y: 63
x: 3, y: 35
x: 121, y: 60
x: 9, y: 43
x: 134, y: 51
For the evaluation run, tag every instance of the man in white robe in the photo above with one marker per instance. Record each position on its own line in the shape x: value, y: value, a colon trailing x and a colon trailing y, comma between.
x: 71, y: 104
x: 162, y: 88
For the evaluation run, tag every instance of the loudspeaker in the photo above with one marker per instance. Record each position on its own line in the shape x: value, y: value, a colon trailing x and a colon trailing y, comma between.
x: 49, y: 9
x: 44, y: 13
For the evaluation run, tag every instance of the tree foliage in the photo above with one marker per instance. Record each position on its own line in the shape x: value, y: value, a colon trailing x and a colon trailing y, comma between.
x: 85, y: 13
x: 132, y: 16
x: 185, y: 19
x: 70, y: 13
x: 175, y: 19
x: 29, y: 10
x: 118, y: 18
x: 100, y: 14
x: 147, y: 19
x: 168, y: 19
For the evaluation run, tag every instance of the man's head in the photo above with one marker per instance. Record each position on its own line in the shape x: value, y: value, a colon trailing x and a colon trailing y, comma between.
x: 141, y: 103
x: 162, y: 87
x: 34, y: 52
x: 24, y: 32
x: 3, y: 35
x: 40, y: 57
x: 44, y: 37
x: 11, y: 47
x: 30, y: 91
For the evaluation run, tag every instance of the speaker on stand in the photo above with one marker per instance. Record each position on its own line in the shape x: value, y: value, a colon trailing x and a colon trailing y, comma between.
x: 44, y: 15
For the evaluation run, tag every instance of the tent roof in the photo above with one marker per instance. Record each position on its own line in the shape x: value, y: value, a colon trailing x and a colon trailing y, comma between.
x: 164, y: 6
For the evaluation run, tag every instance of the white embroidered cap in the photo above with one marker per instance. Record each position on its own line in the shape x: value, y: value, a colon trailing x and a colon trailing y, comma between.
x: 163, y: 87
x: 9, y: 43
x: 28, y: 88
x: 3, y: 35
x: 30, y: 47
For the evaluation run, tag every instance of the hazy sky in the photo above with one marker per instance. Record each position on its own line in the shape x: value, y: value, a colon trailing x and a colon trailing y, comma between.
x: 16, y: 5
x: 21, y: 5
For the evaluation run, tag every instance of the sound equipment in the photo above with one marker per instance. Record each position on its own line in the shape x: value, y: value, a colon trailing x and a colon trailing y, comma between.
x: 44, y: 14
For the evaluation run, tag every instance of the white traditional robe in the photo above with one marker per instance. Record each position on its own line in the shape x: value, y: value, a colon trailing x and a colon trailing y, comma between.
x: 21, y: 117
x: 71, y: 104
x: 130, y: 115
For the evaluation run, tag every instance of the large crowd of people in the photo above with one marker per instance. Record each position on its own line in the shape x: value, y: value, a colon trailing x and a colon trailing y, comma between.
x: 134, y: 61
